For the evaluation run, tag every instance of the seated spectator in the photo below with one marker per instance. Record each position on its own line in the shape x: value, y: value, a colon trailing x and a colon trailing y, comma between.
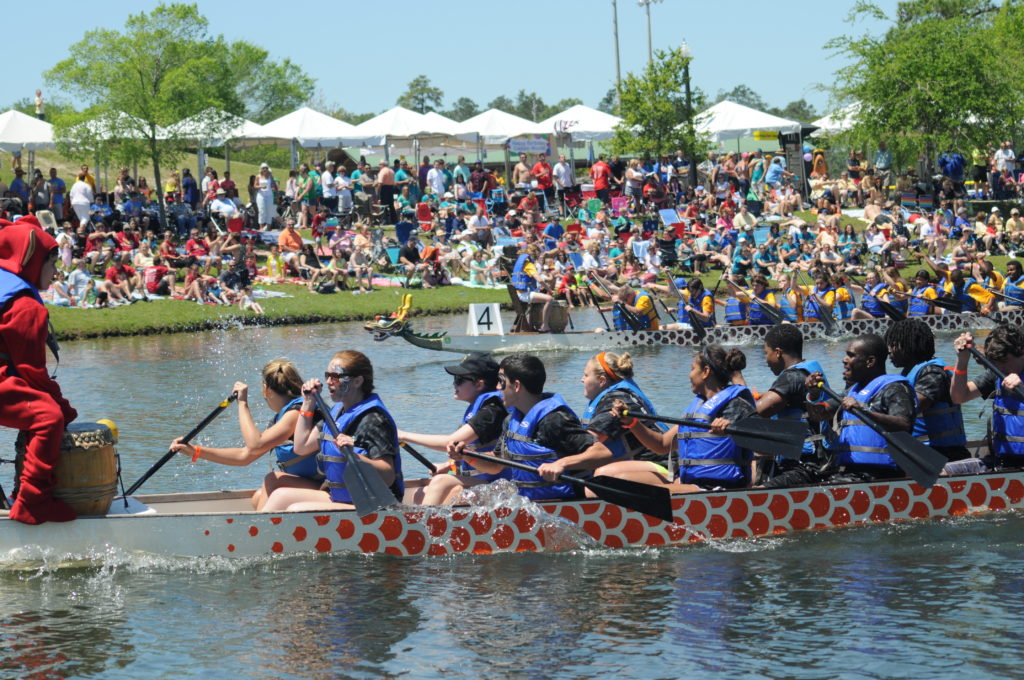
x: 290, y: 244
x: 198, y: 248
x: 159, y: 280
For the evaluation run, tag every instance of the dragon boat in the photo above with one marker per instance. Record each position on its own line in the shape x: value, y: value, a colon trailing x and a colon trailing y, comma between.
x: 398, y: 325
x: 222, y: 523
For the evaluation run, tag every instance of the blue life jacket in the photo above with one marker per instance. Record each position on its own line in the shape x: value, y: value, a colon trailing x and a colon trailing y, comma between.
x: 858, y: 444
x: 843, y: 308
x: 645, y: 320
x: 1014, y: 288
x: 943, y: 423
x: 969, y: 303
x: 1007, y: 424
x: 735, y: 310
x: 521, y: 447
x: 306, y: 465
x: 806, y: 366
x: 755, y: 312
x: 333, y: 462
x: 811, y: 304
x: 623, y: 446
x: 785, y: 306
x: 869, y: 302
x: 683, y: 317
x: 712, y: 459
x: 920, y: 307
x: 465, y: 467
x: 902, y: 304
x: 520, y: 279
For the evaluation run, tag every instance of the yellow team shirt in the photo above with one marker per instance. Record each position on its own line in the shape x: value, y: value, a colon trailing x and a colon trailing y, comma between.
x: 645, y: 306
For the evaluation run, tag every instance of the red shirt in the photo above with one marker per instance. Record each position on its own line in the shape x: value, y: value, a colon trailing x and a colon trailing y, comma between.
x: 601, y: 173
x: 542, y: 171
x: 114, y: 273
x: 152, y: 276
x: 197, y: 246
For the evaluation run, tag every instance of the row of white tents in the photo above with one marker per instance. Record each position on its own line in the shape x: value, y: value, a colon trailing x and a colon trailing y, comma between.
x: 400, y: 129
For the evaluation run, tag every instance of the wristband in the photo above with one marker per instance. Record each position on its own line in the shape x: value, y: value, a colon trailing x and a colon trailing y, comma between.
x: 631, y: 424
x: 198, y: 450
x: 957, y: 371
x: 306, y: 414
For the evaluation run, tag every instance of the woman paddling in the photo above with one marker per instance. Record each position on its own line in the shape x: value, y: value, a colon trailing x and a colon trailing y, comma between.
x: 365, y: 425
x: 607, y: 380
x: 281, y: 390
x: 708, y: 458
x: 475, y: 381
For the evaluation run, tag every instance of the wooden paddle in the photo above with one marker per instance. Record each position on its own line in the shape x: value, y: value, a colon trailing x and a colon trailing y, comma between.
x: 627, y: 316
x: 771, y: 311
x: 171, y: 453
x: 419, y: 457
x: 921, y: 463
x: 889, y: 310
x: 655, y: 501
x: 987, y: 363
x: 778, y: 437
x: 369, y: 492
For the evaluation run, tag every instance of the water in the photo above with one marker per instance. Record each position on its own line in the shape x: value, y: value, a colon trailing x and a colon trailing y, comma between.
x: 931, y: 600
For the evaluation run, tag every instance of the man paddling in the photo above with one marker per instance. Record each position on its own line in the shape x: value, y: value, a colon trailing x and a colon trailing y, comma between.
x: 786, y: 400
x: 859, y: 451
x: 540, y: 431
x: 1004, y: 347
x: 939, y: 422
x: 639, y: 304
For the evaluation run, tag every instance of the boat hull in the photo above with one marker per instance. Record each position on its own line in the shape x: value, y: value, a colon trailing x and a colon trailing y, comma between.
x: 726, y: 335
x: 216, y: 524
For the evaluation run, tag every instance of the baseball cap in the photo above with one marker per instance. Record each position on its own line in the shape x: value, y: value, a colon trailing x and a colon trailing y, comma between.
x: 995, y: 208
x: 221, y: 192
x: 478, y: 365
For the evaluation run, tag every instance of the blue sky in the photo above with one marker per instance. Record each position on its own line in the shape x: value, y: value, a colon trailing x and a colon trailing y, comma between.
x: 363, y: 54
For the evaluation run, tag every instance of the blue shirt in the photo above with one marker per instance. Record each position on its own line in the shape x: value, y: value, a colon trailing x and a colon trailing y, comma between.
x: 55, y: 184
x: 774, y: 173
x: 20, y: 187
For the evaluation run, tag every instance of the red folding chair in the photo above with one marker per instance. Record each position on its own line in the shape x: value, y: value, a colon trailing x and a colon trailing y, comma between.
x: 424, y: 216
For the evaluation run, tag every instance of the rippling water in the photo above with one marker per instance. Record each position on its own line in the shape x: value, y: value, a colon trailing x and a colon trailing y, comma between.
x: 931, y: 600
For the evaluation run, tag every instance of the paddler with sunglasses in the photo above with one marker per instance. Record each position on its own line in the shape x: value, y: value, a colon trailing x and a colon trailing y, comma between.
x: 474, y: 380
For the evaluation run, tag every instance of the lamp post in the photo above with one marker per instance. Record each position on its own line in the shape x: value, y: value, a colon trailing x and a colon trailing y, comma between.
x: 618, y: 71
x: 687, y: 53
x: 646, y: 4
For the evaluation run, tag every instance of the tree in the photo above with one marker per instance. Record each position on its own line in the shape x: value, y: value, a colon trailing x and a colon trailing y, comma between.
x: 944, y: 75
x: 165, y: 67
x: 799, y: 110
x: 502, y: 103
x: 607, y: 103
x: 741, y: 94
x: 654, y: 111
x: 421, y: 96
x: 462, y: 109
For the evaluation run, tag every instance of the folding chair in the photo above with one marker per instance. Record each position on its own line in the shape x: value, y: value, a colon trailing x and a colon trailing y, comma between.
x: 593, y: 205
x: 620, y: 205
x: 396, y: 264
x: 522, y: 321
x: 424, y: 217
x: 908, y: 199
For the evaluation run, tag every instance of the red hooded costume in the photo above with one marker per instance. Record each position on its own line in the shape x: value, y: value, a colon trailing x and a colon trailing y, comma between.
x: 29, y: 399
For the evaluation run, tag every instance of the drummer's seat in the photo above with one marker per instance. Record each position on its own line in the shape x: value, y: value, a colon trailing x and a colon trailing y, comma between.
x: 521, y: 323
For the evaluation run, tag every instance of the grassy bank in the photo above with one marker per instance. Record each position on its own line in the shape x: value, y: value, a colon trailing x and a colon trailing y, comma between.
x: 177, y: 316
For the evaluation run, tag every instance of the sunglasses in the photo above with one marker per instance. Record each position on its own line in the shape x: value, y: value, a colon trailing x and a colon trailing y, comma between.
x: 503, y: 381
x: 459, y: 379
x: 328, y: 375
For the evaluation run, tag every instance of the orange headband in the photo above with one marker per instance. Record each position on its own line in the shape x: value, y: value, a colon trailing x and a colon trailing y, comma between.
x: 607, y: 369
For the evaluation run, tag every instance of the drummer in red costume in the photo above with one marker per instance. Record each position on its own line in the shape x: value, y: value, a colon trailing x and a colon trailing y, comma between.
x: 29, y: 399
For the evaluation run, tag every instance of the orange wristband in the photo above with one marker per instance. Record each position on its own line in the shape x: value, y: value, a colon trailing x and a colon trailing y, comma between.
x: 958, y: 372
x: 631, y: 424
x: 306, y: 414
x: 198, y: 450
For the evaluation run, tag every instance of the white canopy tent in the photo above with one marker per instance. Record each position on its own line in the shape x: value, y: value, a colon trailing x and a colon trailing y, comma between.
x: 727, y: 120
x: 400, y: 131
x: 214, y: 127
x: 494, y: 126
x: 21, y: 131
x: 583, y: 124
x: 439, y: 123
x: 839, y: 121
x: 309, y: 129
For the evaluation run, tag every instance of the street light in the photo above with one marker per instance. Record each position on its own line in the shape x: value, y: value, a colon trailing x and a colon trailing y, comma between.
x: 687, y: 53
x: 618, y: 72
x: 646, y: 4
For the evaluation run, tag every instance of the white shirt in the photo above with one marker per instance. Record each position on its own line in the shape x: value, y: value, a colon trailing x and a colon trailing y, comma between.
x: 78, y: 281
x: 327, y: 184
x: 342, y: 184
x: 479, y: 221
x: 224, y: 206
x: 1004, y: 159
x: 435, y: 178
x: 81, y: 193
x: 563, y: 175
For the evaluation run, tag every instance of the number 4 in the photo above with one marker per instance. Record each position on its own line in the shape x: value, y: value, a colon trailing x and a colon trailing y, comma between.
x: 485, y: 319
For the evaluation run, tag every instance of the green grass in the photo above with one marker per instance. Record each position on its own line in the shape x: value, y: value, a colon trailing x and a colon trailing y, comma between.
x: 178, y: 316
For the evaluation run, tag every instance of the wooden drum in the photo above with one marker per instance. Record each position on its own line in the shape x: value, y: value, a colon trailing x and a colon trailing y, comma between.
x: 87, y: 471
x: 558, y: 319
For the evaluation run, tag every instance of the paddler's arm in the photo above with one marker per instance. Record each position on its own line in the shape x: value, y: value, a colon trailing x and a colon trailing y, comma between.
x: 962, y: 390
x: 653, y: 440
x: 307, y: 436
x: 439, y: 442
x: 818, y: 410
x: 897, y: 398
x: 737, y: 291
x: 562, y: 431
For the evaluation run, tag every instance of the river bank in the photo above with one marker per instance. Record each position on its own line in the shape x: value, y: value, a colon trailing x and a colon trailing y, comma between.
x: 179, y: 316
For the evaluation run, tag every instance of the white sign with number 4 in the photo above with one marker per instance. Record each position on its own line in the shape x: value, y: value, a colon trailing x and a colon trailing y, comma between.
x: 484, y: 319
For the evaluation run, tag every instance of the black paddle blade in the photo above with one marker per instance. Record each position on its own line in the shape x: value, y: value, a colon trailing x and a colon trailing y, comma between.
x: 952, y: 304
x: 891, y: 311
x: 775, y: 437
x: 369, y: 492
x: 655, y: 501
x: 698, y: 327
x: 828, y: 321
x: 772, y: 312
x: 921, y: 463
